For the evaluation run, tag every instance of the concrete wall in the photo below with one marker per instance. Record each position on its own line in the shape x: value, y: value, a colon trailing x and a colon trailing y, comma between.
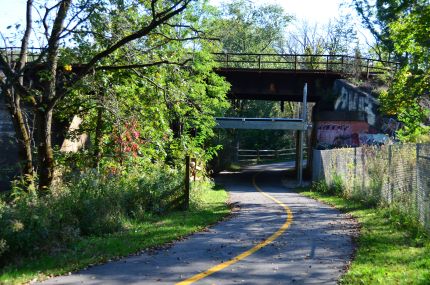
x: 350, y: 98
x: 8, y: 150
x: 9, y: 167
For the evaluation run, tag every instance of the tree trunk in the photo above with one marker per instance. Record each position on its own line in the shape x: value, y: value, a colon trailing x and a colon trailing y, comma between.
x: 99, y: 130
x: 45, y: 152
x: 22, y: 133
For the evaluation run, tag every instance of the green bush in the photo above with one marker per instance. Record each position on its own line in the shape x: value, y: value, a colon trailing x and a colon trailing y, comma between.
x: 335, y: 188
x: 90, y: 204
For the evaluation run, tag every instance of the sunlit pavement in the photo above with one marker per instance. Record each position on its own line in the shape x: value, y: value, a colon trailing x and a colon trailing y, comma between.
x: 315, y: 249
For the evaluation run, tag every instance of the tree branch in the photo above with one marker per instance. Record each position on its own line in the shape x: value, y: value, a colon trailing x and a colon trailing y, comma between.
x: 132, y: 66
x: 24, y: 43
x: 138, y: 34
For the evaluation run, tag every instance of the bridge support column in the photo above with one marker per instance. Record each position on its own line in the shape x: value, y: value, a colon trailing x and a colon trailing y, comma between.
x: 300, y: 136
x: 299, y: 156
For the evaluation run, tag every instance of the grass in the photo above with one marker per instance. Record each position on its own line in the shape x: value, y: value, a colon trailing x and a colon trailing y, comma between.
x: 155, y: 231
x: 390, y: 249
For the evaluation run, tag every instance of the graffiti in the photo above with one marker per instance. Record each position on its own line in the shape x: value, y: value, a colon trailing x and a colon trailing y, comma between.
x: 333, y: 127
x: 352, y: 99
x: 390, y: 126
x: 373, y: 139
x: 349, y: 140
x: 340, y: 133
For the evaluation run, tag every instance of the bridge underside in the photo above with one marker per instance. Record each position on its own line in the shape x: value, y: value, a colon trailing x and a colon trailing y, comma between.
x: 278, y: 85
x: 261, y: 124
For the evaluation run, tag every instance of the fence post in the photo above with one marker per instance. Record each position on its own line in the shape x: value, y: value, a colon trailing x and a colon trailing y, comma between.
x: 237, y: 148
x: 258, y: 155
x: 259, y: 61
x: 326, y: 63
x: 295, y: 62
x: 390, y: 188
x: 367, y: 68
x: 341, y: 63
x: 187, y: 183
x: 226, y: 60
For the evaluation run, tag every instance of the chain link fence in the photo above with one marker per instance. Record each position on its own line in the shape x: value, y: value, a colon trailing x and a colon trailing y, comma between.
x: 423, y: 178
x: 395, y: 175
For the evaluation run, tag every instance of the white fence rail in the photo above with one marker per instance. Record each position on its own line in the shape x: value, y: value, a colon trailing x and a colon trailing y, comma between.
x: 257, y: 155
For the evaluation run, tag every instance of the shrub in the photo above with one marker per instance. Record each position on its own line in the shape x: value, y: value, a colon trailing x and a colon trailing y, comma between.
x: 335, y: 188
x: 90, y: 204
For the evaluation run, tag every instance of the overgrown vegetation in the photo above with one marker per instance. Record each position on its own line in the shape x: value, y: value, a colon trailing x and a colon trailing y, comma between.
x: 400, y: 29
x: 96, y: 220
x: 137, y: 80
x: 392, y: 248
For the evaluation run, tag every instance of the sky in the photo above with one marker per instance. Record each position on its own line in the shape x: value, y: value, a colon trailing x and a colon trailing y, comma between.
x: 318, y: 12
x: 313, y: 11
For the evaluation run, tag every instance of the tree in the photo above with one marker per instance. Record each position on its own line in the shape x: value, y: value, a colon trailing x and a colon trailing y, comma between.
x: 338, y: 37
x: 377, y: 16
x: 408, y: 96
x: 245, y: 28
x: 140, y: 27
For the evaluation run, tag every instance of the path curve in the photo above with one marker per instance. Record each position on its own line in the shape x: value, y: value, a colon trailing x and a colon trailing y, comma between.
x: 315, y: 248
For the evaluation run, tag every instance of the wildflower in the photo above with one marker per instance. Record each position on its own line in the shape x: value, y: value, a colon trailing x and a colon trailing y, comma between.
x: 68, y: 67
x: 17, y: 226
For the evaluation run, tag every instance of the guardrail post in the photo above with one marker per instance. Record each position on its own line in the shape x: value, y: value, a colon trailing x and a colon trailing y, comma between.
x: 341, y: 63
x: 226, y: 59
x: 367, y: 68
x: 295, y: 62
x: 259, y: 61
x: 258, y: 155
x: 326, y: 63
x: 237, y: 148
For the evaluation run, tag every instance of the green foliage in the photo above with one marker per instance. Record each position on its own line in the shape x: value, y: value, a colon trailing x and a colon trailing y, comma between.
x: 401, y: 28
x: 91, y: 204
x: 208, y: 205
x: 335, y: 188
x: 390, y: 249
x: 245, y: 28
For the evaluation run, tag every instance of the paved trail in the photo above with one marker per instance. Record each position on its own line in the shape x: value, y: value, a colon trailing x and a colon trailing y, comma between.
x: 312, y: 242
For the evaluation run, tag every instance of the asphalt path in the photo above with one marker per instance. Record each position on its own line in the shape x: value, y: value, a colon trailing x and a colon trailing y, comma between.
x: 275, y: 237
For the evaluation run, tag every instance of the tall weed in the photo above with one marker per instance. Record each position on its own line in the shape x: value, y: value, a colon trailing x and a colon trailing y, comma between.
x: 90, y: 204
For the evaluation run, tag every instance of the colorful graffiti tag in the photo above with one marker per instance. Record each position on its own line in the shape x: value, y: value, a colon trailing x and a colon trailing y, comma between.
x: 333, y: 134
x: 340, y: 133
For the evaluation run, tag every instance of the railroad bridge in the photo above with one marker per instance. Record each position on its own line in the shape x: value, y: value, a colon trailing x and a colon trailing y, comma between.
x: 281, y: 77
x: 305, y: 78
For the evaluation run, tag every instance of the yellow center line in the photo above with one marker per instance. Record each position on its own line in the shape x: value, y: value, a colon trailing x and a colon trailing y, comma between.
x: 247, y: 253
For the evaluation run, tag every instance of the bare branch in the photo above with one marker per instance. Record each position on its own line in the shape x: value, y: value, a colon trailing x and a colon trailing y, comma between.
x: 185, y: 39
x: 136, y: 35
x: 80, y: 20
x: 185, y: 26
x: 11, y: 78
x: 45, y: 18
x: 131, y: 66
x: 24, y: 43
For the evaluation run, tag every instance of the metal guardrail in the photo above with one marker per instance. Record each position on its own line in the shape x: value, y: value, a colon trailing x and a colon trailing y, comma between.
x: 303, y: 62
x: 12, y: 53
x: 257, y: 155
